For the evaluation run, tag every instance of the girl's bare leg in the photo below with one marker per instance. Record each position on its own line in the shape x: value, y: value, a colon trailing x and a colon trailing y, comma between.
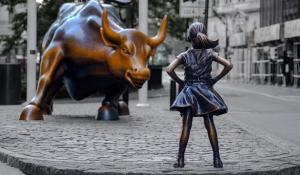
x: 213, y: 138
x: 187, y: 120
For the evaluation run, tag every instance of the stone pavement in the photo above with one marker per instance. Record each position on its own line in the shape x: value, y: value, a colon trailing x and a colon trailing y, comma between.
x: 72, y: 142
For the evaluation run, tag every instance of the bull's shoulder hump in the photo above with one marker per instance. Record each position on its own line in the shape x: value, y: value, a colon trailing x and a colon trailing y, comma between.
x: 92, y: 8
x: 68, y: 10
x: 65, y: 7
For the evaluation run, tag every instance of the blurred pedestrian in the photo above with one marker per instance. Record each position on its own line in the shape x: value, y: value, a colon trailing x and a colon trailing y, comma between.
x: 198, y: 97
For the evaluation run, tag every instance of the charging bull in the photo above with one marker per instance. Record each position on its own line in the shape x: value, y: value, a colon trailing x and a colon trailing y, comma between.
x: 86, y: 51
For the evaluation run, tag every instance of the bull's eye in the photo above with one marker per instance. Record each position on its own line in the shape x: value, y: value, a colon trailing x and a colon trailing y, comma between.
x: 125, y: 51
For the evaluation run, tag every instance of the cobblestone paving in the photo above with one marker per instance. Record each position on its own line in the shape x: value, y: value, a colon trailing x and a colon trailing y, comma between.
x: 146, y: 142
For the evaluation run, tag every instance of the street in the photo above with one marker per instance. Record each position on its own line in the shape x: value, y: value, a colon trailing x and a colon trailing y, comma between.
x: 270, y: 109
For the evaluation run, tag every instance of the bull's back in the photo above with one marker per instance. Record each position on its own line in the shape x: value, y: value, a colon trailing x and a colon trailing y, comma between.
x: 66, y: 11
x: 77, y: 32
x: 87, y: 16
x: 74, y: 15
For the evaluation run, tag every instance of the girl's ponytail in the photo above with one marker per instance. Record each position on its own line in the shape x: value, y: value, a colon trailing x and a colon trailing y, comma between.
x: 198, y: 39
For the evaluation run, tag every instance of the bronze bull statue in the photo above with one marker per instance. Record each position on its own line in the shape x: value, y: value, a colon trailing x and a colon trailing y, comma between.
x: 86, y: 51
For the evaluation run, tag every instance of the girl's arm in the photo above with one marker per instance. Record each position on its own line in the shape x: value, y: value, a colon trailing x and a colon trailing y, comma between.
x: 227, y: 67
x: 171, y: 72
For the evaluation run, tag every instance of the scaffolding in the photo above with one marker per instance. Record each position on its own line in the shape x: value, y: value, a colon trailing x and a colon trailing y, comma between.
x: 260, y: 71
x: 296, y: 74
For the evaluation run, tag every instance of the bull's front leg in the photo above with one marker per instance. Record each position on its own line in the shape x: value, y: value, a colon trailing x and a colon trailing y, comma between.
x: 51, y: 72
x: 112, y: 107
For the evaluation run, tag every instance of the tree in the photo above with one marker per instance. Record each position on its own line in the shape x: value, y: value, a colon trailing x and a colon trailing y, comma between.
x: 46, y: 15
x: 157, y: 9
x: 48, y: 10
x: 18, y: 26
x: 176, y: 24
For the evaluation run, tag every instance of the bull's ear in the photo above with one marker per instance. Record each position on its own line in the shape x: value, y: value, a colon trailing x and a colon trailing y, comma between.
x: 106, y: 42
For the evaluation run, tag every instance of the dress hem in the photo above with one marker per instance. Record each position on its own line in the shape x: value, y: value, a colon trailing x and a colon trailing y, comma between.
x: 216, y: 111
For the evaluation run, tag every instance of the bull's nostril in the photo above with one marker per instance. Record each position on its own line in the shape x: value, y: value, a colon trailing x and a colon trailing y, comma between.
x: 135, y: 69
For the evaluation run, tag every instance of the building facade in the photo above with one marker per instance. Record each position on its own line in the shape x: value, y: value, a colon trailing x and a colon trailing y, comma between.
x: 233, y: 22
x: 263, y: 39
x: 277, y: 40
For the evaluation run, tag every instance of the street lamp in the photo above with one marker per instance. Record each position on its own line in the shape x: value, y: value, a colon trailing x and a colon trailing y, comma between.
x: 224, y: 21
x: 31, y: 49
x: 143, y: 27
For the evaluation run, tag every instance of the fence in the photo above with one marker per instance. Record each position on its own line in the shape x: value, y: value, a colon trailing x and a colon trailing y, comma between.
x: 279, y: 72
x: 238, y: 60
x: 256, y: 65
x: 260, y: 71
x: 296, y: 74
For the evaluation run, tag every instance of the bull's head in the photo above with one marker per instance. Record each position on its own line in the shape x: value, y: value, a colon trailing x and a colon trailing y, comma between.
x: 131, y: 52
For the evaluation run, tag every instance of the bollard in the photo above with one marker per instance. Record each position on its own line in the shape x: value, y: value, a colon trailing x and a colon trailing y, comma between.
x: 125, y: 96
x: 180, y: 87
x: 172, y: 91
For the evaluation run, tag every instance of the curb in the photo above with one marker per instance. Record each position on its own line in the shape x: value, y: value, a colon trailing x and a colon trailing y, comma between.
x: 31, y: 166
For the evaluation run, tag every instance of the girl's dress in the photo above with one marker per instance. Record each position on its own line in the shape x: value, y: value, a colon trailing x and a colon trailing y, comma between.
x: 198, y: 93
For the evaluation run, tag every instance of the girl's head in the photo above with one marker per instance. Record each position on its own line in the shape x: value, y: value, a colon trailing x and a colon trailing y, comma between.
x: 196, y: 35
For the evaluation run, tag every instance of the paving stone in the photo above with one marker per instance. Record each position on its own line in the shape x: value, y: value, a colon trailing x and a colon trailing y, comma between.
x: 146, y: 142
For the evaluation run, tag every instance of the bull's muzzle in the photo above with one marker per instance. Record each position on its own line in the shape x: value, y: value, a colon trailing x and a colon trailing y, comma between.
x: 137, y: 77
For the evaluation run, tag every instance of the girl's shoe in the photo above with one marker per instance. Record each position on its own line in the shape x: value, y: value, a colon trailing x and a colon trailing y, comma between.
x: 218, y: 162
x: 180, y: 162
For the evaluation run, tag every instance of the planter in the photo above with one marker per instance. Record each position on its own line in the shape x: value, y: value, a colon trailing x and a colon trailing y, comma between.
x: 10, y: 84
x: 155, y: 81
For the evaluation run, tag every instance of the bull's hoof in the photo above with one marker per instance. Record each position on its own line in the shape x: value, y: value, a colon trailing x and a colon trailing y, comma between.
x: 47, y: 109
x: 47, y: 112
x: 107, y: 112
x: 31, y: 112
x: 123, y: 108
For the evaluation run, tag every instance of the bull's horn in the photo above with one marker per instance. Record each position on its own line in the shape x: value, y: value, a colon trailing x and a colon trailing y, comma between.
x: 161, y: 35
x: 107, y: 31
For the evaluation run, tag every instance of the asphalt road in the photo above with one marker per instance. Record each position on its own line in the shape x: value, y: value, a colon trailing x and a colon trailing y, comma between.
x: 272, y: 110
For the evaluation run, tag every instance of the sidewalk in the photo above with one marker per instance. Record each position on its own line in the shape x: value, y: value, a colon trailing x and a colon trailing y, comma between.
x: 72, y: 142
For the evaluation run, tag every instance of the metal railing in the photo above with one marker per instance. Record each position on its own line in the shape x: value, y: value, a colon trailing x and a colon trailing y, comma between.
x: 279, y: 72
x: 240, y: 72
x: 260, y: 71
x: 296, y: 74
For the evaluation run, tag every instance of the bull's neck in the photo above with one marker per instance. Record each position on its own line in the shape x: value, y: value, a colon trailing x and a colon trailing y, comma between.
x: 115, y: 26
x: 107, y: 51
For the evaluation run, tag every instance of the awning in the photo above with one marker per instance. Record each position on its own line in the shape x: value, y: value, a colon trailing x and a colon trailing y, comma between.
x: 292, y: 28
x: 267, y: 34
